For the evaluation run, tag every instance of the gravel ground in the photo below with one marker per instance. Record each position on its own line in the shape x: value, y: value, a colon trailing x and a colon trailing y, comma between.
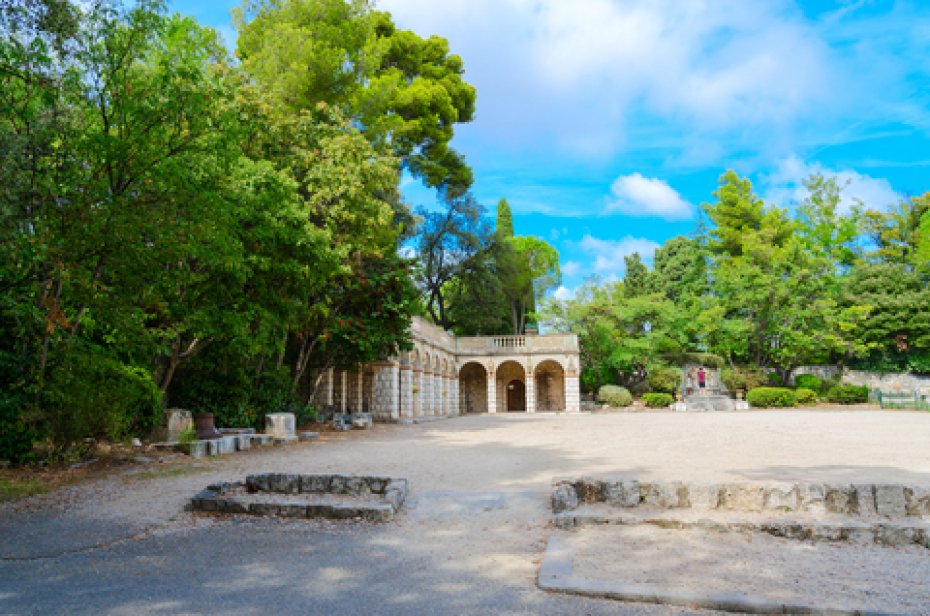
x: 794, y: 572
x: 472, y: 535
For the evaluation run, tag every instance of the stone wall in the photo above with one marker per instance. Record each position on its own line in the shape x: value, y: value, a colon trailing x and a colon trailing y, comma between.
x: 883, y: 381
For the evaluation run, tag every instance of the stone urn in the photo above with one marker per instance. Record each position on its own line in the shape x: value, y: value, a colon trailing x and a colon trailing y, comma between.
x: 203, y: 424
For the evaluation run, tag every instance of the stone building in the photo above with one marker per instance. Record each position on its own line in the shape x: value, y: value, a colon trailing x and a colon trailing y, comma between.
x: 446, y: 375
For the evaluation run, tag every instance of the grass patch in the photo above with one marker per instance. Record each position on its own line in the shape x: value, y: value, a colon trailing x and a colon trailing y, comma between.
x: 11, y: 489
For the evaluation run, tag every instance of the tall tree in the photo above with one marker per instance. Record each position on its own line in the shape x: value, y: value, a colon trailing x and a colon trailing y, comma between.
x: 636, y: 278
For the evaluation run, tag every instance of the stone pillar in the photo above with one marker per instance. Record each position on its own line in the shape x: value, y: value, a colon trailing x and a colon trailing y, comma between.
x: 406, y: 391
x: 572, y: 392
x: 492, y: 391
x: 454, y: 396
x: 329, y: 386
x: 417, y: 392
x: 384, y: 398
x: 343, y: 391
x: 440, y: 395
x: 360, y: 390
x: 530, y: 393
x: 426, y: 394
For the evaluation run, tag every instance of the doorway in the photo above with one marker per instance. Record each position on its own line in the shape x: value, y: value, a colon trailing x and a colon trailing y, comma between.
x: 516, y: 396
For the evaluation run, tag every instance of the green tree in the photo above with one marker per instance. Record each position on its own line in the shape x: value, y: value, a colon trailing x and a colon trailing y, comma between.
x: 636, y: 279
x: 737, y: 211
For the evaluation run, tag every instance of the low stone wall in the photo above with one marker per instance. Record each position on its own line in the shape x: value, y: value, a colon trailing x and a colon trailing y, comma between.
x: 340, y: 497
x: 864, y: 500
x: 883, y: 381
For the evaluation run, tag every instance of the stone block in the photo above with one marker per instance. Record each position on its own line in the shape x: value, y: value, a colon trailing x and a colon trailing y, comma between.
x: 379, y: 513
x: 662, y: 495
x: 564, y: 498
x: 894, y: 536
x: 356, y: 486
x: 177, y: 421
x: 363, y: 421
x: 258, y: 483
x: 204, y: 500
x: 314, y: 484
x: 266, y: 509
x: 285, y: 440
x: 865, y: 499
x: 243, y: 442
x: 260, y: 440
x: 702, y: 496
x: 839, y: 499
x: 280, y: 425
x: 292, y: 510
x: 782, y: 497
x: 589, y: 490
x: 284, y: 483
x: 860, y: 535
x: 346, y: 512
x: 231, y: 505
x: 812, y: 498
x: 742, y: 497
x: 230, y: 444
x: 337, y: 484
x: 621, y: 492
x: 308, y: 436
x: 377, y: 484
x: 890, y: 501
x: 196, y: 449
x: 917, y: 501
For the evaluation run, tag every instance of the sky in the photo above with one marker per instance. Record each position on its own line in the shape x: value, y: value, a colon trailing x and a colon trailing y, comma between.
x: 606, y: 123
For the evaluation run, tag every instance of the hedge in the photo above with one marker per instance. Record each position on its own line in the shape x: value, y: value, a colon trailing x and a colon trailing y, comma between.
x: 664, y: 379
x: 615, y: 395
x: 769, y: 397
x: 657, y: 400
x: 804, y: 395
x: 848, y: 394
x: 808, y: 381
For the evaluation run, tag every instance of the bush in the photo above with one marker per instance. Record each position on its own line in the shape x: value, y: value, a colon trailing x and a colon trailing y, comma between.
x: 657, y: 400
x: 808, y: 381
x: 615, y: 396
x: 740, y: 378
x: 769, y: 397
x: 848, y: 394
x: 804, y: 395
x: 664, y: 379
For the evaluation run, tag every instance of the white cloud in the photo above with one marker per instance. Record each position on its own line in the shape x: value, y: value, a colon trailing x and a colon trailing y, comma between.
x: 564, y: 293
x: 571, y: 268
x: 588, y: 70
x: 608, y: 254
x: 785, y: 187
x: 636, y: 195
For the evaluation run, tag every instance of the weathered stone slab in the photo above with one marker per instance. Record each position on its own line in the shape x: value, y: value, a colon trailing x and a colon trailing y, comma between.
x: 783, y: 497
x: 178, y: 421
x: 261, y: 440
x: 280, y: 425
x: 308, y: 436
x: 890, y: 501
x: 703, y: 497
x: 812, y: 498
x: 839, y: 499
x: 917, y: 501
x: 564, y: 498
x: 622, y: 492
x: 663, y: 495
x: 197, y: 449
x: 865, y: 499
x: 742, y: 497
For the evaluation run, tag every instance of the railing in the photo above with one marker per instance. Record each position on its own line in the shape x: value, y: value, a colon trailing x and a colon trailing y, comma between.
x: 903, y: 400
x: 508, y: 342
x: 481, y: 345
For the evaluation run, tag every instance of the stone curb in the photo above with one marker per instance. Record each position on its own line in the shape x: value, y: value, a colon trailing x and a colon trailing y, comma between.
x: 891, y: 535
x: 389, y: 492
x: 556, y: 575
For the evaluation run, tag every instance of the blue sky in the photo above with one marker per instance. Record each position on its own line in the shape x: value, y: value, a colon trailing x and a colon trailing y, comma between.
x: 605, y: 123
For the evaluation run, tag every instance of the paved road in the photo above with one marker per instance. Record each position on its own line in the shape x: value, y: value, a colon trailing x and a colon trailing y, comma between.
x: 469, y: 543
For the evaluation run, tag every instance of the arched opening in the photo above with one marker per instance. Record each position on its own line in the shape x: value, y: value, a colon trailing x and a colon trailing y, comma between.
x: 511, y: 387
x: 473, y: 388
x: 550, y: 386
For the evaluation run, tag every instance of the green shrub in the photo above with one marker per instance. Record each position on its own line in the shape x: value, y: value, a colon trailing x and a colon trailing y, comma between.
x: 657, y: 400
x: 664, y: 379
x: 615, y: 396
x: 188, y: 436
x: 769, y: 397
x: 829, y: 384
x: 808, y: 381
x: 848, y: 394
x: 804, y: 395
x: 740, y: 378
x: 702, y: 359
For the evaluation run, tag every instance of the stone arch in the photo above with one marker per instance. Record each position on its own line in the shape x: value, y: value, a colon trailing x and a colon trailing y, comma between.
x: 549, y: 375
x: 473, y: 388
x: 510, y: 379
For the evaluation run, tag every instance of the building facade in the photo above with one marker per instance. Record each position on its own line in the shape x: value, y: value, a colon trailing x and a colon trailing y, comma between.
x: 445, y: 375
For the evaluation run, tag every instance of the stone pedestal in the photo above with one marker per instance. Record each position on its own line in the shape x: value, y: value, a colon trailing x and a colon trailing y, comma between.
x: 280, y: 425
x: 492, y: 393
x: 177, y: 421
x: 572, y: 394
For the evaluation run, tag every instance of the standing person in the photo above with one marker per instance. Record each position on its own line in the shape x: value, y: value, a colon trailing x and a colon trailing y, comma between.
x: 689, y: 382
x: 702, y: 378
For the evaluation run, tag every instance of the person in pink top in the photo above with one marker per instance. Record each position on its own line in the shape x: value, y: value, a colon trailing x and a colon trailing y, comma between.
x: 701, y: 378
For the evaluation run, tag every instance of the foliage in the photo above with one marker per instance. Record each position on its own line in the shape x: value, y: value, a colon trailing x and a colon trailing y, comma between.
x: 615, y: 396
x: 188, y: 436
x: 741, y: 378
x: 702, y: 359
x: 664, y: 379
x: 657, y: 400
x: 808, y: 381
x: 803, y: 395
x: 848, y: 394
x: 771, y: 397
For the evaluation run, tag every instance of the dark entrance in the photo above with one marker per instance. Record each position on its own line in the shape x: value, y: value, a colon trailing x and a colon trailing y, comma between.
x: 516, y: 396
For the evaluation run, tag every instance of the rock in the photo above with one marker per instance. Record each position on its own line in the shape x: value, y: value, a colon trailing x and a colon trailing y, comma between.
x: 662, y: 495
x: 136, y: 443
x: 865, y: 499
x: 890, y: 501
x: 703, y: 497
x: 742, y: 497
x: 564, y: 498
x: 839, y: 499
x: 280, y: 425
x: 812, y: 498
x: 781, y: 498
x: 917, y: 501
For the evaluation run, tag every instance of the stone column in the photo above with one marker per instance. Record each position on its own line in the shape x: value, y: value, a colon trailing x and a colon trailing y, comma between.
x: 343, y: 391
x: 454, y: 396
x: 417, y: 392
x: 426, y: 394
x: 384, y: 399
x: 360, y: 390
x: 406, y: 391
x: 492, y: 391
x: 572, y: 392
x: 440, y: 395
x: 530, y: 393
x: 329, y: 387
